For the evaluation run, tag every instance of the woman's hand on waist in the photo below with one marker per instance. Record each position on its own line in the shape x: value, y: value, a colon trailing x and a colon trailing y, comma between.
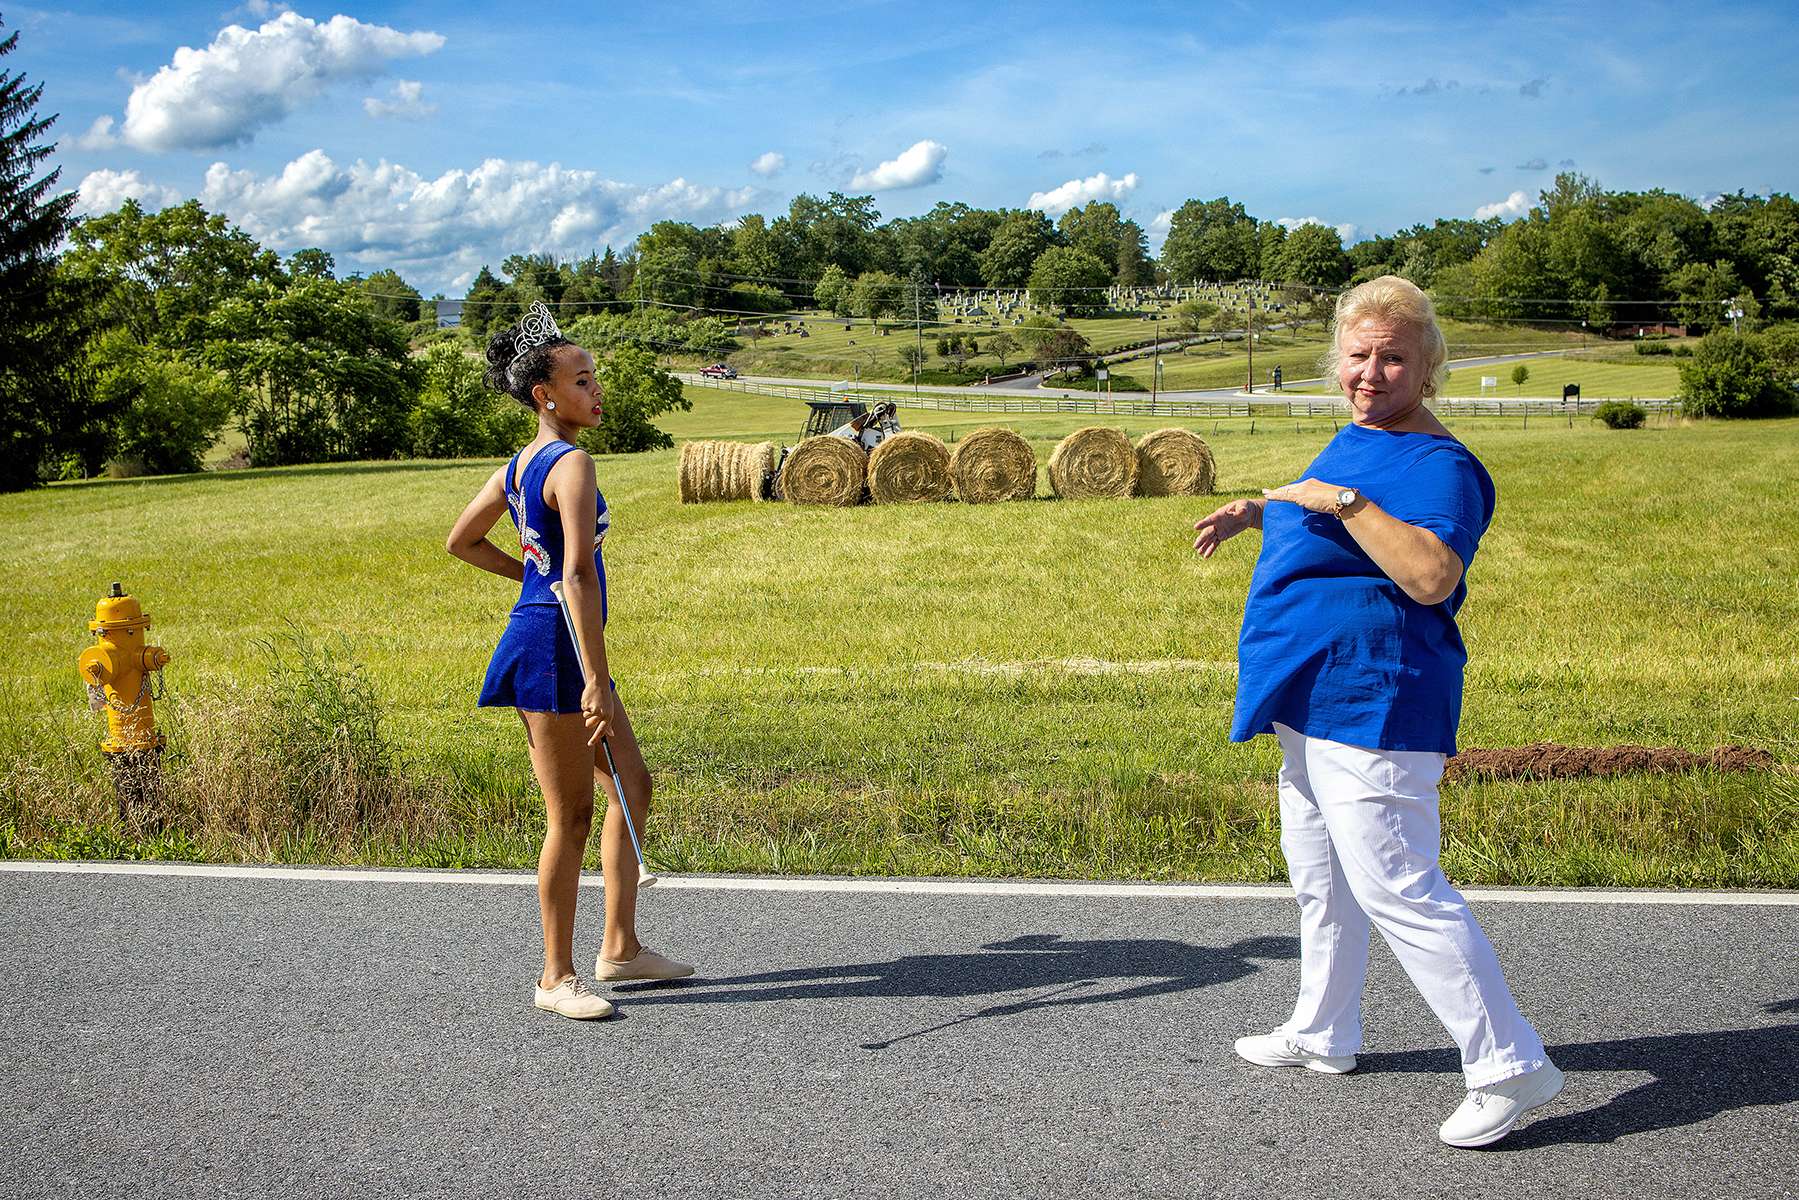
x: 1226, y: 523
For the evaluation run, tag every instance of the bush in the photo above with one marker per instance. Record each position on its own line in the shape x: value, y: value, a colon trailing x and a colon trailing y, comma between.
x: 1683, y: 351
x: 754, y: 297
x: 1732, y: 375
x: 458, y: 417
x: 1653, y: 348
x: 633, y: 390
x: 1115, y: 381
x: 170, y: 411
x: 1621, y: 414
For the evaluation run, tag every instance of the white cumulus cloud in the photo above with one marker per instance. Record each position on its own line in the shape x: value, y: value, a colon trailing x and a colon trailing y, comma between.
x: 772, y: 163
x: 437, y: 232
x: 1077, y: 192
x: 103, y: 191
x: 1345, y: 230
x: 1514, y: 205
x: 919, y: 164
x: 1159, y: 225
x: 99, y: 135
x: 407, y: 102
x: 250, y: 78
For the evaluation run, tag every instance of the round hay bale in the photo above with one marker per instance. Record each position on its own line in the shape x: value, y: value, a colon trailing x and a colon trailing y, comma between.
x: 909, y: 468
x: 1093, y: 463
x: 825, y: 470
x: 993, y: 464
x: 725, y: 471
x: 750, y: 469
x: 691, y: 474
x: 1174, y: 462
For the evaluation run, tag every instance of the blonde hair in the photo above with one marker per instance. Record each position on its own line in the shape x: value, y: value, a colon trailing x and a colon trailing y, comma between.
x: 1393, y: 301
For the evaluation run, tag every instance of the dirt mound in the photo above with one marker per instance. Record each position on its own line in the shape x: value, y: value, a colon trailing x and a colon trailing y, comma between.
x: 1548, y: 760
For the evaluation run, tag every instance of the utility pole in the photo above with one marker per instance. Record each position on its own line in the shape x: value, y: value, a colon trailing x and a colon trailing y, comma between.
x: 917, y: 332
x: 1249, y: 336
x: 1734, y: 311
x: 1155, y: 372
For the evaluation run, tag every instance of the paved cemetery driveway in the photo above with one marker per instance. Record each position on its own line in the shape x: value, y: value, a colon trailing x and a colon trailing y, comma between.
x: 329, y: 1035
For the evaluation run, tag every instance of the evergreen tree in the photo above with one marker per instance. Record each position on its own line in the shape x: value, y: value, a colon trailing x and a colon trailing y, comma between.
x: 47, y: 404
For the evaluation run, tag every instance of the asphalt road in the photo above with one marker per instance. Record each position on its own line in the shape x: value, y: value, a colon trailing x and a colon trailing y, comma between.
x: 251, y: 1037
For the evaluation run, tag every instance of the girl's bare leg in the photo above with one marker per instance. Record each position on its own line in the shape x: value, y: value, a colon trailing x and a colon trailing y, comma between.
x: 564, y: 766
x: 616, y: 857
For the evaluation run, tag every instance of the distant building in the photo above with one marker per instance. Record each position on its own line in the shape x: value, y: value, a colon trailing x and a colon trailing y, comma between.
x: 449, y: 313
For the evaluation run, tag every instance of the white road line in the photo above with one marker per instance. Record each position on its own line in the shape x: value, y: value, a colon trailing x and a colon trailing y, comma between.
x: 918, y: 887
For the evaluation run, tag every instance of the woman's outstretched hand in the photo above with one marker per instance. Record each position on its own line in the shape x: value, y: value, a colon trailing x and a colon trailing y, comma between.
x: 1226, y: 523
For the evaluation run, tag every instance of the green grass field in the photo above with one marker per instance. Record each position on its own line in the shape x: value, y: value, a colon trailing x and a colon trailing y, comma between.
x: 1037, y: 688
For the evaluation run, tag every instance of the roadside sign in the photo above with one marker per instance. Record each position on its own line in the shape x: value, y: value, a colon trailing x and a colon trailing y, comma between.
x: 1102, y: 372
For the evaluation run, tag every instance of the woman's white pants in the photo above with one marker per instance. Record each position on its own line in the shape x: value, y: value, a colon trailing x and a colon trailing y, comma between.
x: 1360, y: 831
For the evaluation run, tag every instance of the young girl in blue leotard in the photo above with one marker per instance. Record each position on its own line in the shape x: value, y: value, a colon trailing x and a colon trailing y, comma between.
x: 550, y: 491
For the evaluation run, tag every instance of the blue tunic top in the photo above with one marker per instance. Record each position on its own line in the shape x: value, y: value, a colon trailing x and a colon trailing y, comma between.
x: 1331, y: 646
x: 535, y: 666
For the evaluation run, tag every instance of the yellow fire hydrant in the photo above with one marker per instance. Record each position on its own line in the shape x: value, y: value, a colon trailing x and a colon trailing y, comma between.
x: 117, y: 669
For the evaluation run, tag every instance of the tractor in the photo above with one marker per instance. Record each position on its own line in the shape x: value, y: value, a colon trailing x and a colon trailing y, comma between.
x: 845, y: 418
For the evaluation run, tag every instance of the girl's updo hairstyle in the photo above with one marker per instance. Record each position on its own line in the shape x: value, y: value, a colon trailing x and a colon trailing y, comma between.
x: 514, y: 372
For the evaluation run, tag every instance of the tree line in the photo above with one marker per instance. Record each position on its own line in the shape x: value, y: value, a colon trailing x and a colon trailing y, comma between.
x: 137, y: 337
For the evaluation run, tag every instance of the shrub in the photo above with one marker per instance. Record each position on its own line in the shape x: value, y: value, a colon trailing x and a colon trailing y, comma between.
x: 1683, y: 351
x: 634, y: 391
x: 1621, y: 414
x: 170, y: 411
x: 458, y: 417
x: 1653, y: 348
x: 1731, y: 375
x: 754, y: 297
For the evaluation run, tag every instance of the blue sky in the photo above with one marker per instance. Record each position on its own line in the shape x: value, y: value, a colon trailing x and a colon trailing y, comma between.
x: 435, y: 137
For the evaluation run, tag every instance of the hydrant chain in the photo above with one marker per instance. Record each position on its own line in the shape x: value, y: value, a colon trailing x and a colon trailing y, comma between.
x: 143, y: 686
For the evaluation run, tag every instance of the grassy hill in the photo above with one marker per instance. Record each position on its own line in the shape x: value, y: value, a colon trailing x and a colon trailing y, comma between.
x: 1036, y: 688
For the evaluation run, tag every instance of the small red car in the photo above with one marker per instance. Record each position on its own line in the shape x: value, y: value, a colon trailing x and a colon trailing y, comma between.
x: 718, y: 371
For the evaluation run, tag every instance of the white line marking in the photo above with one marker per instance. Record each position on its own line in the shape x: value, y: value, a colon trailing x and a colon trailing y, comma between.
x: 877, y: 886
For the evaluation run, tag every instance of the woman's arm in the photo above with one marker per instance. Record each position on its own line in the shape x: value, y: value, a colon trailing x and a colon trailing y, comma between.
x: 572, y: 492
x: 1416, y: 559
x: 468, y: 537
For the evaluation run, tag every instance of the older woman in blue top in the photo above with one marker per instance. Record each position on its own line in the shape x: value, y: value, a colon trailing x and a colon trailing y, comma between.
x: 1350, y: 656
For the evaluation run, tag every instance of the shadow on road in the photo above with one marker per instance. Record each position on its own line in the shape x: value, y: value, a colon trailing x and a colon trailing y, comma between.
x: 1696, y: 1076
x: 1059, y: 973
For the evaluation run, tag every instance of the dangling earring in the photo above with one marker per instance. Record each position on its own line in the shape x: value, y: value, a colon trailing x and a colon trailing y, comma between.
x: 551, y: 406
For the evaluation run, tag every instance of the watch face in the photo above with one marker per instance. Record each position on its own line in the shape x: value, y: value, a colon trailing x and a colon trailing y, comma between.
x: 1346, y: 497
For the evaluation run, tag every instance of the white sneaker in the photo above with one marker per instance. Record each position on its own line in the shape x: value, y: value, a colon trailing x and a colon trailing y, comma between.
x: 1278, y: 1050
x: 570, y: 998
x: 647, y: 965
x: 1488, y: 1114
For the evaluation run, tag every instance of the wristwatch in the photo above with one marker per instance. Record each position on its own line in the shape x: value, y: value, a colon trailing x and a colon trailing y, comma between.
x: 1345, y: 498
